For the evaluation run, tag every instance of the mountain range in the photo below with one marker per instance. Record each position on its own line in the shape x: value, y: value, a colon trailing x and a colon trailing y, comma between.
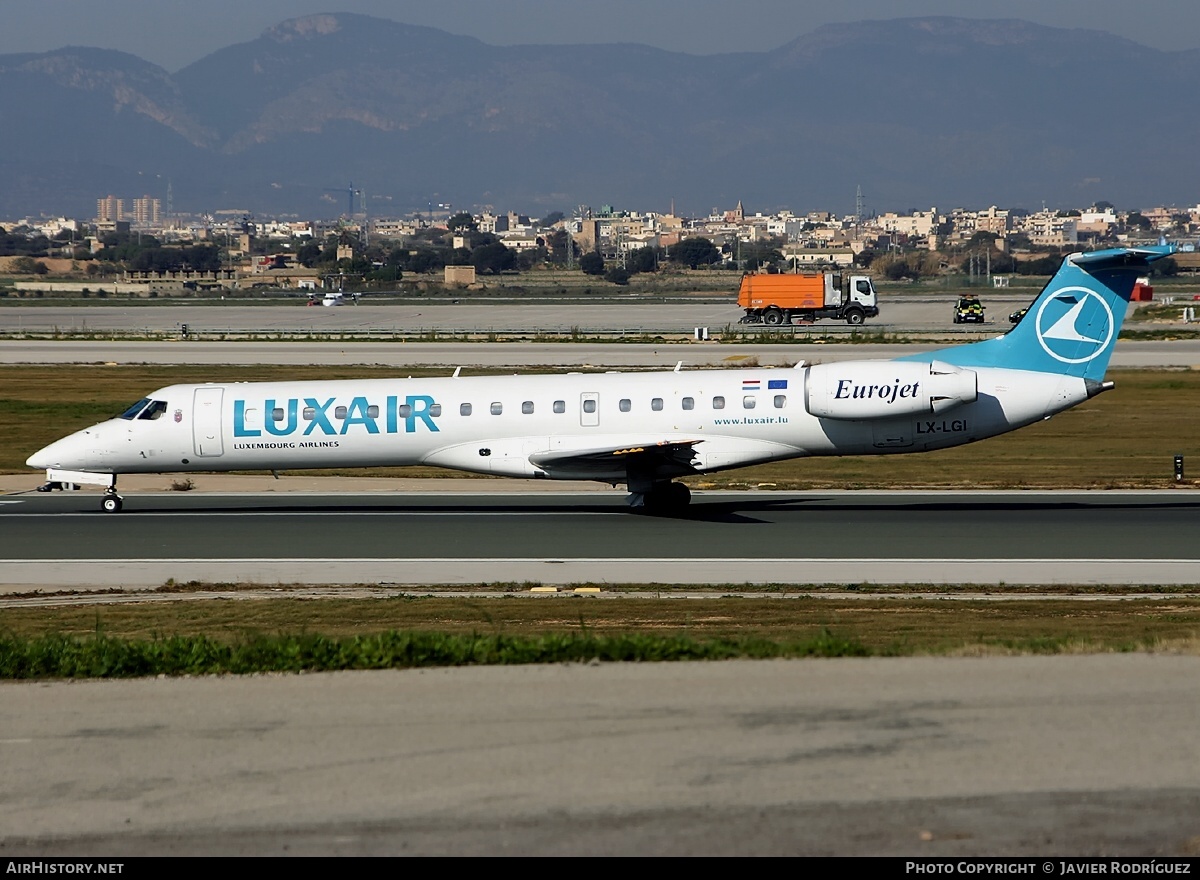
x: 916, y: 112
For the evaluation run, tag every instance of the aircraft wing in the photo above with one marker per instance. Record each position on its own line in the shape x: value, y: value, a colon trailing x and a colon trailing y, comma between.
x: 674, y: 455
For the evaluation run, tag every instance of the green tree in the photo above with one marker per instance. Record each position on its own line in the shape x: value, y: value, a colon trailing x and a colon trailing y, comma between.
x: 644, y: 259
x: 308, y: 254
x: 1165, y: 268
x: 24, y: 266
x: 462, y: 222
x: 592, y: 263
x: 1040, y: 266
x: 617, y: 275
x: 693, y: 252
x: 531, y: 257
x: 493, y: 258
x: 982, y: 238
x: 556, y: 241
x: 755, y: 253
x: 427, y: 260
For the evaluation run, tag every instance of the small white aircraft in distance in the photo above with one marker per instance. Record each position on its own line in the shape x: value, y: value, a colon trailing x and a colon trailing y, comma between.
x: 642, y: 429
x: 335, y: 298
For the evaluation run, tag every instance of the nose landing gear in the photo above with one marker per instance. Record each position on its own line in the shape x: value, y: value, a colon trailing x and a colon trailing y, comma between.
x: 111, y: 502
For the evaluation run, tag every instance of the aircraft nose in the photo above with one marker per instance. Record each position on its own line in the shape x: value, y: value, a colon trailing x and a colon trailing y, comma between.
x: 41, y: 459
x: 64, y: 453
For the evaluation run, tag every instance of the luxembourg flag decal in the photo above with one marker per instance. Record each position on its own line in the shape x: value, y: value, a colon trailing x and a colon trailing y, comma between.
x: 751, y: 384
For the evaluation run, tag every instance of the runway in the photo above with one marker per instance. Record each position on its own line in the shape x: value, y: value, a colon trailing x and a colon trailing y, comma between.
x: 1181, y: 353
x: 916, y: 757
x: 735, y: 538
x: 478, y: 315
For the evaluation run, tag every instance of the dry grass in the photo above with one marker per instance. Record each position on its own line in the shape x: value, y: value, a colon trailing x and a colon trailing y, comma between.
x: 888, y: 626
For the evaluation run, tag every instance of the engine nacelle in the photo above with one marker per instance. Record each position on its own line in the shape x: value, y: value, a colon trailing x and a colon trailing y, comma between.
x: 886, y: 389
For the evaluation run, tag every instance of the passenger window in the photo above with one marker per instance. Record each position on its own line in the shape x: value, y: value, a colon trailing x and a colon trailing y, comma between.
x: 497, y: 408
x: 560, y: 406
x: 527, y: 407
x: 718, y: 402
x: 689, y: 403
x: 780, y: 401
x: 372, y: 411
x: 625, y: 405
x: 748, y: 402
x: 277, y: 414
x: 308, y: 413
x: 464, y: 409
x: 435, y: 410
x: 339, y: 412
x: 589, y: 406
x: 404, y: 410
x: 656, y: 404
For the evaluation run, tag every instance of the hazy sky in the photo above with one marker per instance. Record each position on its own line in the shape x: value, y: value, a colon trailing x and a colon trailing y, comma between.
x: 174, y: 33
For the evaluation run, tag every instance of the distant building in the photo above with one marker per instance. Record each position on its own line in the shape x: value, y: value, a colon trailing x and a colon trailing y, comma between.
x: 460, y: 274
x: 808, y: 257
x: 146, y: 211
x: 110, y: 209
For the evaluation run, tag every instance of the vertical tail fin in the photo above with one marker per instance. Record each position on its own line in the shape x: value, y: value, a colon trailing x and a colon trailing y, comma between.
x: 1073, y: 324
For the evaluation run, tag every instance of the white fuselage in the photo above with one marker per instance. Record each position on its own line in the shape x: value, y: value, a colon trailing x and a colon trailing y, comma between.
x: 554, y: 426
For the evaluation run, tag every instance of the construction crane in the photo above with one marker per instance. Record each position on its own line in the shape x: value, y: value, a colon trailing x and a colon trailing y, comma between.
x: 350, y: 192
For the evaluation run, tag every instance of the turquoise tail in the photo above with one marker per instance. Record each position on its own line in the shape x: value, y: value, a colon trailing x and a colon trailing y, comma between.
x: 1072, y: 326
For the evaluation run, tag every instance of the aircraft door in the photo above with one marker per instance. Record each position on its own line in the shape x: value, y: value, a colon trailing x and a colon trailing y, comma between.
x: 589, y: 409
x: 206, y: 421
x: 893, y: 433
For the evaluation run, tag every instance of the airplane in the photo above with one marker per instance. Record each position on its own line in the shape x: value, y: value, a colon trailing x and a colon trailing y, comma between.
x: 334, y: 298
x: 644, y: 430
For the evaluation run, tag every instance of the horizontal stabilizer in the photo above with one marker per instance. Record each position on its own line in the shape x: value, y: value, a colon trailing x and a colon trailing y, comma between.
x: 1136, y: 258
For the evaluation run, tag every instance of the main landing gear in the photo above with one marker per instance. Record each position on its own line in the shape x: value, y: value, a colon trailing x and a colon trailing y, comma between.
x: 661, y: 498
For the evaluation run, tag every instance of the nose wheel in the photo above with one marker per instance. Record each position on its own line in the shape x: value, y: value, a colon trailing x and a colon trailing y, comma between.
x: 111, y: 502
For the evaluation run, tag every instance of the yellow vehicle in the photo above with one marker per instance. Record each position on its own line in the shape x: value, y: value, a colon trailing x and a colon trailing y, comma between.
x: 968, y: 310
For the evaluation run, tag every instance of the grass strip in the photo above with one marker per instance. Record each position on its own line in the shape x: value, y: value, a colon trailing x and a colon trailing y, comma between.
x: 102, y: 656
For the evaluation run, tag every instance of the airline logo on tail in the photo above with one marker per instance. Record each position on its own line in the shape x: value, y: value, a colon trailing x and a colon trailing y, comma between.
x: 1073, y: 330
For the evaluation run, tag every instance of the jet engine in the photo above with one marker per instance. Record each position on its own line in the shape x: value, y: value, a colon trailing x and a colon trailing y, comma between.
x: 886, y: 389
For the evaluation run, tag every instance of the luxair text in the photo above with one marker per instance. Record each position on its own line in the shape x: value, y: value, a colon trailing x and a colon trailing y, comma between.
x: 329, y: 418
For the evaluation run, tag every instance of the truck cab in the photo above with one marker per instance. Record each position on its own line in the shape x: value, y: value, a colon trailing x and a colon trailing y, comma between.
x: 860, y: 293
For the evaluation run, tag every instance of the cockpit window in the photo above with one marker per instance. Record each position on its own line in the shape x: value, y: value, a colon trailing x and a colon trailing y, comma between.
x: 132, y: 412
x: 154, y: 410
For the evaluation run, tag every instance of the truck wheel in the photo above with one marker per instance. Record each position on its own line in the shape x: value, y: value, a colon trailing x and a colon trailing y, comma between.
x: 773, y: 316
x: 855, y: 317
